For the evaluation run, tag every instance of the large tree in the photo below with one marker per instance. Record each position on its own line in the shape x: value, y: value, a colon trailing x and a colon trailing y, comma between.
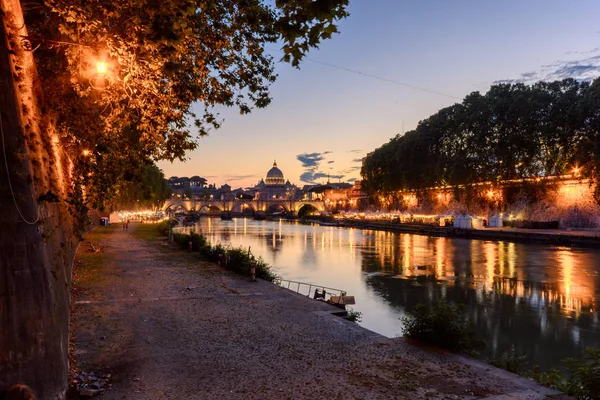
x: 514, y: 131
x: 72, y: 133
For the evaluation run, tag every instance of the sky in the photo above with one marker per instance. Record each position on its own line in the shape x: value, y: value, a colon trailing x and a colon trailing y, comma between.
x: 394, y: 63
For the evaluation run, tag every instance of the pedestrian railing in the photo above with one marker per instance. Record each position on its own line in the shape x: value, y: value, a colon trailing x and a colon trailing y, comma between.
x: 310, y: 289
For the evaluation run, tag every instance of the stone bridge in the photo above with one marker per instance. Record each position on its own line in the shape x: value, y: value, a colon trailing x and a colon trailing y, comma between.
x: 243, y: 206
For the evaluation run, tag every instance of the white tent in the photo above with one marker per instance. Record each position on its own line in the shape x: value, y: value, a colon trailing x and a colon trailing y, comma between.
x: 477, y: 223
x: 495, y: 221
x: 459, y: 221
x: 467, y: 222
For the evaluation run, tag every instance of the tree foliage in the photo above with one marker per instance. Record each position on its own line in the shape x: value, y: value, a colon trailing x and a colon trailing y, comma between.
x: 144, y: 188
x: 162, y: 57
x: 513, y: 131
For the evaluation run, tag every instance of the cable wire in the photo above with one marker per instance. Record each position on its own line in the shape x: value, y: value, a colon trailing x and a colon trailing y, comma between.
x: 382, y: 79
x: 376, y: 77
x: 12, y: 192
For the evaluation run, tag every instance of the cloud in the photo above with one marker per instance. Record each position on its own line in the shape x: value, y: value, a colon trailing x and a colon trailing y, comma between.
x: 307, y: 177
x: 355, y: 151
x: 309, y: 160
x: 352, y: 180
x: 238, y: 177
x: 314, y: 171
x: 584, y: 69
x: 357, y: 160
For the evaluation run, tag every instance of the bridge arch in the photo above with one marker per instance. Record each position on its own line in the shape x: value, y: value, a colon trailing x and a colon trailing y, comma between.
x: 177, y: 206
x: 276, y: 207
x: 208, y: 208
x: 307, y: 209
x: 244, y: 207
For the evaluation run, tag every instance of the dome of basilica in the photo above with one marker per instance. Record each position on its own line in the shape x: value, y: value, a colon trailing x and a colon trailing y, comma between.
x: 275, y: 176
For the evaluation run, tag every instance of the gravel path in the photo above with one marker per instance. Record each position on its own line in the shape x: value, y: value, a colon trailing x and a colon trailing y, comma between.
x: 168, y: 326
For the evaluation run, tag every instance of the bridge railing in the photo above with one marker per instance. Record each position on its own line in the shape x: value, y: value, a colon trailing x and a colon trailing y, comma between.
x: 309, y: 289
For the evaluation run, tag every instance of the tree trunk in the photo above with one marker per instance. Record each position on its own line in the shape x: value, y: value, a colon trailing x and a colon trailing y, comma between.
x: 36, y: 241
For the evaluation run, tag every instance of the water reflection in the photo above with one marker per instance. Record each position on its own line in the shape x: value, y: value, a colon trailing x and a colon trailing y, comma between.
x: 541, y: 299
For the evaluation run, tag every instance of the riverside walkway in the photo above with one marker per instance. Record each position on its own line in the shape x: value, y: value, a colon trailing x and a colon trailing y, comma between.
x: 166, y: 325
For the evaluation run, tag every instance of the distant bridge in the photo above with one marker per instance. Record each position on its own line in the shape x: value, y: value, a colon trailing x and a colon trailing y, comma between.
x: 243, y: 206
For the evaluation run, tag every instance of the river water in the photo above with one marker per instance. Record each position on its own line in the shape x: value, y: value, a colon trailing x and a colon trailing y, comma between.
x: 541, y: 299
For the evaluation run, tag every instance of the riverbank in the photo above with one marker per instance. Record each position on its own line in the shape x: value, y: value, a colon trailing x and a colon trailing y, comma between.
x: 557, y: 237
x: 167, y: 325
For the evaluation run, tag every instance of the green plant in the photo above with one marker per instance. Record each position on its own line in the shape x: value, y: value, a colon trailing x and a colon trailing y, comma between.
x: 443, y: 325
x: 511, y: 361
x: 551, y: 378
x: 584, y: 380
x: 353, y: 315
x: 163, y: 226
x: 182, y: 239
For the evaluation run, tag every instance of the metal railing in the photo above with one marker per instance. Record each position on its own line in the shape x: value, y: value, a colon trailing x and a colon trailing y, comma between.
x: 310, y: 289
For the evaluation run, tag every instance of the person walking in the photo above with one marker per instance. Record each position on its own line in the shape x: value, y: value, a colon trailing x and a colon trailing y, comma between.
x: 127, y: 225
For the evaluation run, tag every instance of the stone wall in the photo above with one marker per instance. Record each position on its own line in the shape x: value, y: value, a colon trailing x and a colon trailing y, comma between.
x: 567, y: 200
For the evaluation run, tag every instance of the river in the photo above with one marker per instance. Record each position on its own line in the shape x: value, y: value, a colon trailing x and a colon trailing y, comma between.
x: 541, y: 299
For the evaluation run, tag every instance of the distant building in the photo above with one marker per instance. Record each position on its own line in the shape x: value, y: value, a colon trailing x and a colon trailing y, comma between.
x: 181, y: 185
x: 274, y: 186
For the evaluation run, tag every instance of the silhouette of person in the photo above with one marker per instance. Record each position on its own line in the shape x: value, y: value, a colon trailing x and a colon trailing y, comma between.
x: 127, y: 225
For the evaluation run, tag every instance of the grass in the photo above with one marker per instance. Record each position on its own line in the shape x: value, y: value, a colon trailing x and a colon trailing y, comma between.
x: 91, y: 266
x: 147, y: 232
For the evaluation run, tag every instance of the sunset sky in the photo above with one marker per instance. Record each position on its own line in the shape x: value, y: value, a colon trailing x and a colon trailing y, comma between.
x: 394, y: 63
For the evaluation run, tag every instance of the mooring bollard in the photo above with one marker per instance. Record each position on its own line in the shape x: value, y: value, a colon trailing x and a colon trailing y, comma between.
x: 252, y: 272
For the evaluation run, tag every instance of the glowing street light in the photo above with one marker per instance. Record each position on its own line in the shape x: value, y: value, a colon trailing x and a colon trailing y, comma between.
x: 576, y: 170
x: 101, y: 68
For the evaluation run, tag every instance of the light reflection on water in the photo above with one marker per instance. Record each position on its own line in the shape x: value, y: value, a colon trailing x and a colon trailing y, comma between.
x: 541, y: 299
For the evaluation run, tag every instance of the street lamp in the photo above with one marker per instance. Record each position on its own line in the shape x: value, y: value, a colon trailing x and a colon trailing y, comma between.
x: 101, y: 68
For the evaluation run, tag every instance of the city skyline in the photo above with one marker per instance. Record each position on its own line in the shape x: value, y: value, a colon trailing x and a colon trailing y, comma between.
x: 393, y: 64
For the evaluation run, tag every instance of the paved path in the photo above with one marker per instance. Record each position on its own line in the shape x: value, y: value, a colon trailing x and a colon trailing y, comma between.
x: 168, y: 326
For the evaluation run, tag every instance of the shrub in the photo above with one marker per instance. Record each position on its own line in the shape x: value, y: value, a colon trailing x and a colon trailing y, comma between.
x: 443, y: 325
x: 163, y: 226
x: 511, y: 361
x: 584, y: 380
x: 236, y: 259
x: 353, y: 315
x: 182, y: 239
x: 239, y: 260
x: 199, y: 243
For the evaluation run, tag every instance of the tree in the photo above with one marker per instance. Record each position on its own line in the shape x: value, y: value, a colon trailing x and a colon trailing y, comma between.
x: 71, y: 136
x: 513, y: 131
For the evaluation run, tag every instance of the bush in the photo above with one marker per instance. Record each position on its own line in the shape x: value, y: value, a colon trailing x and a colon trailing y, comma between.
x: 199, y: 243
x: 238, y: 260
x: 353, y: 315
x: 182, y: 239
x: 163, y: 226
x: 511, y: 361
x: 443, y: 325
x: 584, y: 380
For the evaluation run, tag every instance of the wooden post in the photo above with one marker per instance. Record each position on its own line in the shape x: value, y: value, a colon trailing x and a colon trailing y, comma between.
x: 252, y: 272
